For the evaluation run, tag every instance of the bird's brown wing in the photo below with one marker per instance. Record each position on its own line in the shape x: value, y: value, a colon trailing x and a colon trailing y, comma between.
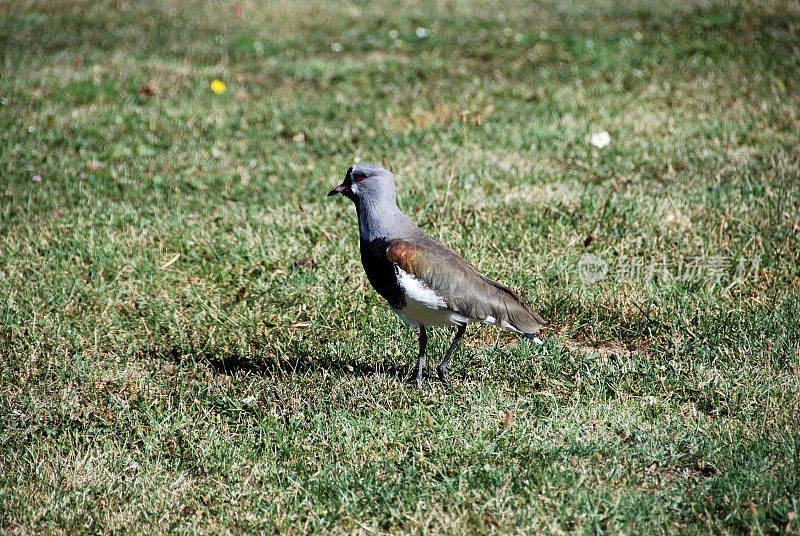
x: 463, y: 288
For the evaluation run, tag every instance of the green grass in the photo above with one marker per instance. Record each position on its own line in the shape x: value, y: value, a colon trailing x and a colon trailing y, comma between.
x: 662, y: 406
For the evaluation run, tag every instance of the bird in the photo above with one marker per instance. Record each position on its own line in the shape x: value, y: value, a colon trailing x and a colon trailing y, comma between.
x: 425, y: 282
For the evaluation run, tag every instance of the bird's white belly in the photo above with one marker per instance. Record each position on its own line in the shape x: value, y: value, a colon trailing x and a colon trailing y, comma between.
x: 423, y: 305
x: 416, y: 313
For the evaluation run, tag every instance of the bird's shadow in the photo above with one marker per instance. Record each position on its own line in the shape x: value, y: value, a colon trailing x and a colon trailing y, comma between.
x: 265, y: 364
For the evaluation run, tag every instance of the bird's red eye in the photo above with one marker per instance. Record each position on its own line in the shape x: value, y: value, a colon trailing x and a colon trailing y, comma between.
x: 358, y: 177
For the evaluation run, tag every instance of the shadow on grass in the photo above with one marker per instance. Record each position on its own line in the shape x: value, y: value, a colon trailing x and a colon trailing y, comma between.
x: 264, y: 364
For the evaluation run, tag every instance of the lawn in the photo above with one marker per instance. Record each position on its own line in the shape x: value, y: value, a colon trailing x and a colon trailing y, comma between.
x: 189, y: 343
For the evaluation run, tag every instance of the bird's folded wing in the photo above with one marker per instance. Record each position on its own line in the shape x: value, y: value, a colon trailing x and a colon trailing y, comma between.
x: 463, y: 288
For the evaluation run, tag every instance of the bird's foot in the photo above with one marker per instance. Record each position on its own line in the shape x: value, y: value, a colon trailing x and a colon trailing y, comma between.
x: 444, y: 374
x: 416, y: 379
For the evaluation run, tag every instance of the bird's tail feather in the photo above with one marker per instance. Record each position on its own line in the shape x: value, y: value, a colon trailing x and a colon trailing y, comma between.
x: 534, y: 338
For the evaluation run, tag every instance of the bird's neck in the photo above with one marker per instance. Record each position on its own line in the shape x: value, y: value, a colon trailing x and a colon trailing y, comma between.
x: 380, y: 219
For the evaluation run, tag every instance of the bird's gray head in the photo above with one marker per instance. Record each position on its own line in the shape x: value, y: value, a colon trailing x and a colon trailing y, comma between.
x: 367, y: 183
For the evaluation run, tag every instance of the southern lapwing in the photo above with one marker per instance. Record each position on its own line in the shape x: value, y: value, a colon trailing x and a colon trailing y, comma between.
x: 425, y: 282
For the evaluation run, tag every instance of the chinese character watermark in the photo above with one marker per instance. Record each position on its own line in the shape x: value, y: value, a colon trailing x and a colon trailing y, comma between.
x: 716, y: 269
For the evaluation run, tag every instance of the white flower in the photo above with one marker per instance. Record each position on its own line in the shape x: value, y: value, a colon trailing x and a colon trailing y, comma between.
x: 393, y: 34
x: 337, y: 47
x: 422, y: 32
x: 249, y: 400
x: 600, y: 139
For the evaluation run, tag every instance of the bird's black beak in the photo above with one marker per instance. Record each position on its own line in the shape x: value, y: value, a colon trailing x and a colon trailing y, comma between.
x: 344, y: 188
x: 339, y: 189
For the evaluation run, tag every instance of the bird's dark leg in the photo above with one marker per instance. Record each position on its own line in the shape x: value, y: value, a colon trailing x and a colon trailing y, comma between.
x: 423, y: 342
x: 442, y: 369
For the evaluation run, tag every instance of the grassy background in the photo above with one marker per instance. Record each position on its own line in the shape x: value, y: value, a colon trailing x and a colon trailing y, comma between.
x: 663, y: 406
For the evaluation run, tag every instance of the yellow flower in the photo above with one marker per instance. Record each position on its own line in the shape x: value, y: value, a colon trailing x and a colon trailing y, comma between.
x: 218, y: 86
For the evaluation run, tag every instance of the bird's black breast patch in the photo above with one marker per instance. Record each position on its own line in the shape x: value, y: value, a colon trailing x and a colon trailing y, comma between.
x: 381, y: 272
